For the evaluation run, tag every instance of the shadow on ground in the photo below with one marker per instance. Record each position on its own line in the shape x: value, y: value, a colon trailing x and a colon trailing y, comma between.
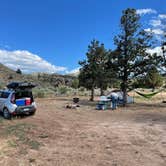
x: 155, y: 118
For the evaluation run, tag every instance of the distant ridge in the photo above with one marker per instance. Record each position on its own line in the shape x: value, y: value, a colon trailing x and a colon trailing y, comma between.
x: 42, y: 79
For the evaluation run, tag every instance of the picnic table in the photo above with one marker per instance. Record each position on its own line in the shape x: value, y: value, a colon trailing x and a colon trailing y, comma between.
x: 103, y: 103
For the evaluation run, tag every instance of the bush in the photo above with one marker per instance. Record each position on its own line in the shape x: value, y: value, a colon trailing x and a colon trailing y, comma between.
x: 2, y: 85
x: 10, y: 77
x: 18, y: 71
x: 75, y: 83
x: 64, y: 90
x: 82, y: 89
x: 40, y: 93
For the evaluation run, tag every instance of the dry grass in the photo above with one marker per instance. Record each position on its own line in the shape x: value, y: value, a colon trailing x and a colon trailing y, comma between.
x: 134, y: 135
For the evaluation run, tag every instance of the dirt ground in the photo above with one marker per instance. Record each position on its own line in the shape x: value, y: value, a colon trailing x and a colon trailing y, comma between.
x: 56, y: 136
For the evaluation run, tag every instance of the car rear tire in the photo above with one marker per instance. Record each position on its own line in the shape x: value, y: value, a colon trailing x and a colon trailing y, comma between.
x: 6, y: 113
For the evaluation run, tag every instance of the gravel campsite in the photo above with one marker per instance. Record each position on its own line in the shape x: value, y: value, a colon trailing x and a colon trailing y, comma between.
x: 82, y: 83
x: 57, y: 136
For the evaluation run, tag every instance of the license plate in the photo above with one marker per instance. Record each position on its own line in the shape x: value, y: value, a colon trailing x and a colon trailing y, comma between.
x: 26, y: 109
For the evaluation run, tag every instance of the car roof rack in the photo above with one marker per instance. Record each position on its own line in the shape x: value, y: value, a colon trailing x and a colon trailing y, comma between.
x: 20, y: 85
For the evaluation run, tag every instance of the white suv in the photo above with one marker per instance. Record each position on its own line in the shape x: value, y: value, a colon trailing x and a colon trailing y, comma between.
x: 17, y: 99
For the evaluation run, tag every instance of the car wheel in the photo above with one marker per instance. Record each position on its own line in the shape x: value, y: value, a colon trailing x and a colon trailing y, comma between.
x: 6, y: 114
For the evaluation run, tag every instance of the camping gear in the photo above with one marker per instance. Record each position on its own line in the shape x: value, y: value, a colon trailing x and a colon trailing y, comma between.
x: 75, y: 100
x: 103, y: 103
x: 20, y: 102
x: 148, y: 95
x: 71, y: 106
x: 23, y: 102
x: 28, y: 101
x: 130, y: 99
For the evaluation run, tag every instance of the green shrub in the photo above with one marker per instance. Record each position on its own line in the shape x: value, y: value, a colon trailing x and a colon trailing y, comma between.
x: 75, y: 83
x: 81, y: 89
x: 40, y: 93
x: 2, y: 85
x: 44, y: 92
x: 64, y: 90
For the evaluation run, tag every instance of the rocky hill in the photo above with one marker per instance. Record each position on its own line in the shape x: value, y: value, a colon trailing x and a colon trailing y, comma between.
x: 41, y: 79
x: 55, y: 79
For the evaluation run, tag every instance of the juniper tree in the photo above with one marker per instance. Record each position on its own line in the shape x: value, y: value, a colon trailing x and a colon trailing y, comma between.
x: 103, y: 74
x: 153, y: 78
x: 18, y: 71
x: 131, y: 51
x: 88, y: 70
x: 93, y: 72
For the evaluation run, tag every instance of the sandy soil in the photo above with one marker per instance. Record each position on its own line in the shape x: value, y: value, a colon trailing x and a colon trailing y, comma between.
x: 56, y: 136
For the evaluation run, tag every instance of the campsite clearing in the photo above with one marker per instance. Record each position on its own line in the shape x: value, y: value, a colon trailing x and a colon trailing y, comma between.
x: 56, y: 136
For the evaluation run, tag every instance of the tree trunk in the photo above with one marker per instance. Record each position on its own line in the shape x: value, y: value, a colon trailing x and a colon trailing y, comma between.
x: 153, y: 89
x: 92, y: 94
x: 101, y: 92
x: 124, y: 90
x: 124, y: 96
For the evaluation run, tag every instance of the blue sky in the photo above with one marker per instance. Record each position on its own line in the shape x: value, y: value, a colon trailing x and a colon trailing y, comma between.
x: 58, y: 32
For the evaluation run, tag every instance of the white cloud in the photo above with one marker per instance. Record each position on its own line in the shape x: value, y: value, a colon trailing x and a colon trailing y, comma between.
x: 148, y: 30
x: 27, y: 62
x: 157, y: 26
x: 155, y: 31
x: 146, y: 11
x: 162, y: 16
x: 159, y: 52
x: 74, y: 71
x: 155, y: 50
x: 155, y: 23
x: 158, y: 31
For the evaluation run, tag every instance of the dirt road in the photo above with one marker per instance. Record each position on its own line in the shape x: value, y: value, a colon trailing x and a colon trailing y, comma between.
x: 56, y: 136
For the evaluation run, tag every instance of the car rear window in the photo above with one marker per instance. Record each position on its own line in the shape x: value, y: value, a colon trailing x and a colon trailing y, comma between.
x: 23, y: 94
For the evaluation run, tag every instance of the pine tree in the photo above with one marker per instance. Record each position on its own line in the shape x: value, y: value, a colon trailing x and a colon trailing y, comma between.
x: 93, y: 72
x: 103, y: 77
x: 88, y: 72
x: 132, y: 43
x: 153, y: 78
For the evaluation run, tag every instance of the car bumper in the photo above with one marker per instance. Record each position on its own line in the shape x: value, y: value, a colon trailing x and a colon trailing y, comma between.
x: 24, y: 110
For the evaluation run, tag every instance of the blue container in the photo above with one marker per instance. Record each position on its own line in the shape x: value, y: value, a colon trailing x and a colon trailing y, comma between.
x: 101, y: 107
x: 20, y: 102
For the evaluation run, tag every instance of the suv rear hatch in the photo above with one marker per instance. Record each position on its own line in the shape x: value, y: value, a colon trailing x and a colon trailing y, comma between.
x: 20, y: 85
x: 23, y: 97
x: 23, y: 93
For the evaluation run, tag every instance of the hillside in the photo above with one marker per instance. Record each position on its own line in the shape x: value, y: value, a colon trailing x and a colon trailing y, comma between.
x: 41, y: 79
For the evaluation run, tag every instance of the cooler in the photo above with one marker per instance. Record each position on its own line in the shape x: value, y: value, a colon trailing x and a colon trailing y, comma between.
x: 20, y: 102
x: 28, y: 101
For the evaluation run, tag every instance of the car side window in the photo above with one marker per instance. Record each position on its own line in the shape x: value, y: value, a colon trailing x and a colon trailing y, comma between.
x: 5, y: 95
x: 0, y: 94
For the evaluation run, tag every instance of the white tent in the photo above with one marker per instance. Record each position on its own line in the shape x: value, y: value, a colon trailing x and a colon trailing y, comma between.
x: 130, y: 99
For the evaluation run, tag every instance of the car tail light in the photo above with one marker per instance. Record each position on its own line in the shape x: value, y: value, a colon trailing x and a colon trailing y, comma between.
x: 13, y: 113
x: 28, y: 101
x: 12, y: 100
